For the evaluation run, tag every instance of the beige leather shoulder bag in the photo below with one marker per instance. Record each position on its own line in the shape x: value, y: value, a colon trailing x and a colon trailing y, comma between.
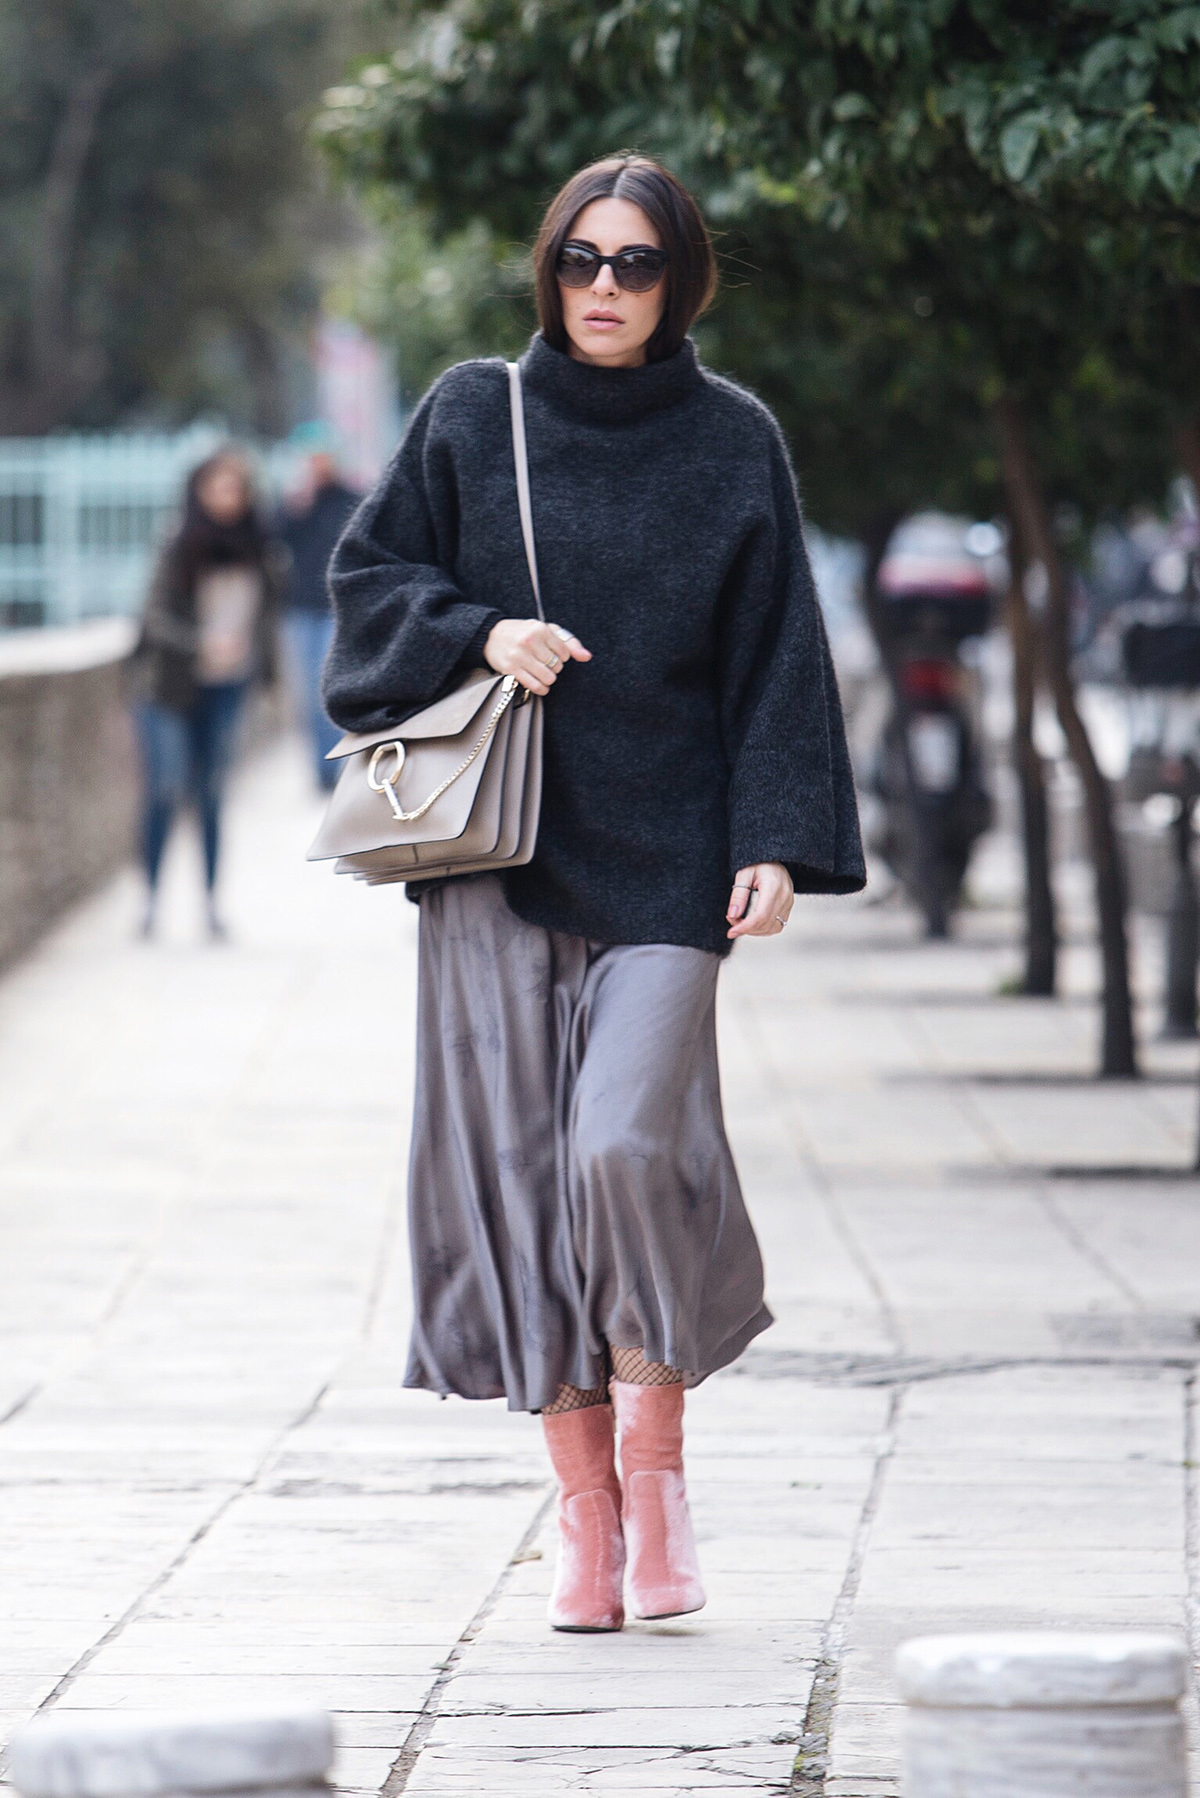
x: 457, y: 788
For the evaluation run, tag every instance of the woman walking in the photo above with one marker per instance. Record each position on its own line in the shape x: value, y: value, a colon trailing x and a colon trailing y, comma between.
x: 579, y: 1239
x: 207, y: 636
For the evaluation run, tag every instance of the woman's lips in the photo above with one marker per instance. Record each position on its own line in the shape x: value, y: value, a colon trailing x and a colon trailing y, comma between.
x: 602, y: 321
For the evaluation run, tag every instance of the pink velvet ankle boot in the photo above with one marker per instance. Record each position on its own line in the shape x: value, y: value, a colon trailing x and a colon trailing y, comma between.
x: 591, y: 1549
x: 664, y: 1574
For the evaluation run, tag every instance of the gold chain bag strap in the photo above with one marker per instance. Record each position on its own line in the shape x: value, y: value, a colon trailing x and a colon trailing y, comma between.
x: 456, y: 788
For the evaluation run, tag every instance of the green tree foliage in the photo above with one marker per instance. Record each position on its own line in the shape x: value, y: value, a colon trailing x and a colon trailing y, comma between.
x: 883, y: 282
x: 156, y: 212
x: 435, y: 302
x: 483, y: 111
x: 1083, y: 120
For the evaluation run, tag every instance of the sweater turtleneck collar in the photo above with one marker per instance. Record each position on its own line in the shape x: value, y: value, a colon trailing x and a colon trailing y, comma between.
x: 616, y: 396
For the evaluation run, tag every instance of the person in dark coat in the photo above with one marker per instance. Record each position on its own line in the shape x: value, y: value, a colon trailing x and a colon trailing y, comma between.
x: 310, y: 530
x: 579, y: 1239
x: 208, y: 635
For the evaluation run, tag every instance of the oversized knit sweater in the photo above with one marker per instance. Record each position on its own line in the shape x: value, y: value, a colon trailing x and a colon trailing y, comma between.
x: 706, y: 733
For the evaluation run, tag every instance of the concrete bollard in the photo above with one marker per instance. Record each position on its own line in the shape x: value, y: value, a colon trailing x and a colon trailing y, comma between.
x: 90, y: 1754
x: 1043, y: 1715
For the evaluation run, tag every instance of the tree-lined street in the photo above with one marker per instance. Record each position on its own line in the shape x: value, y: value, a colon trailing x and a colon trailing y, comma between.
x: 958, y: 260
x: 974, y: 1410
x: 161, y: 233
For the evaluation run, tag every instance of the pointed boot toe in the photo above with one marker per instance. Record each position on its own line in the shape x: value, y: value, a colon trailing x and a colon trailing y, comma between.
x: 664, y: 1573
x: 591, y: 1565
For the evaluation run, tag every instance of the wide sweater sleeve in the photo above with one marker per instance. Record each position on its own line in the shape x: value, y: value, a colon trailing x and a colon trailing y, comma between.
x: 791, y: 791
x: 403, y: 630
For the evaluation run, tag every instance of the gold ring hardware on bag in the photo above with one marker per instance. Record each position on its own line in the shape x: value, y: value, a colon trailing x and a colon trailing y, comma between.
x: 508, y: 688
x: 390, y: 781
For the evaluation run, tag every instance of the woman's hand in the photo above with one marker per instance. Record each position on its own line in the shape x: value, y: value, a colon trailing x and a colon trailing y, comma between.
x: 531, y: 650
x: 761, y: 901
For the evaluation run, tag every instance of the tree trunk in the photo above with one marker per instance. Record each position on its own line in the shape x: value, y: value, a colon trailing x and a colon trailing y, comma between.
x: 55, y: 374
x: 1189, y: 455
x: 1041, y: 928
x: 269, y: 409
x: 1182, y: 931
x: 1029, y: 513
x: 1188, y: 440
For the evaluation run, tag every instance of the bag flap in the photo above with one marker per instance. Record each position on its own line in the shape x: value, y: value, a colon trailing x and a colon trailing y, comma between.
x: 446, y: 717
x: 503, y: 839
x: 358, y: 818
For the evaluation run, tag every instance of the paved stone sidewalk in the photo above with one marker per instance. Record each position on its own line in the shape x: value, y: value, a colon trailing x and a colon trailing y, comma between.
x: 974, y: 1408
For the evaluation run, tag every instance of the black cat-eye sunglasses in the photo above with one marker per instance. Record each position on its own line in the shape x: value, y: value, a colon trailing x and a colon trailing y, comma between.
x: 636, y: 267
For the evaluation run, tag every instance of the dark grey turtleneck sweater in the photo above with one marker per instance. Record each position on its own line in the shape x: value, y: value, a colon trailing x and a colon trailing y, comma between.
x: 706, y: 734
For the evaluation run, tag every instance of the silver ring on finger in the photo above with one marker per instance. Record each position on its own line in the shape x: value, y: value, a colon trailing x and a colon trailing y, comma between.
x: 782, y: 922
x: 554, y: 661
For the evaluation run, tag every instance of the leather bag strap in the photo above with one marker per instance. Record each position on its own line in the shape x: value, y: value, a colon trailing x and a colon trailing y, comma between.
x: 516, y: 401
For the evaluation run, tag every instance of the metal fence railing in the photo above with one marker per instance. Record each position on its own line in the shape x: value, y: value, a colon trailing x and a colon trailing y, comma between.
x: 81, y: 517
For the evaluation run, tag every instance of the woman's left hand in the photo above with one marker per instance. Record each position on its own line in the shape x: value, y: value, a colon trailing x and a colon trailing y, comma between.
x: 761, y: 901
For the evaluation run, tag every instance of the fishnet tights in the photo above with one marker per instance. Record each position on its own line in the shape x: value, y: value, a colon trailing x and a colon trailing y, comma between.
x: 628, y: 1365
x: 575, y: 1398
x: 631, y: 1367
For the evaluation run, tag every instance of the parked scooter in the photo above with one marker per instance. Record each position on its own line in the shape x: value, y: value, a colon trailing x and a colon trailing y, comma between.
x: 1161, y: 651
x: 933, y: 596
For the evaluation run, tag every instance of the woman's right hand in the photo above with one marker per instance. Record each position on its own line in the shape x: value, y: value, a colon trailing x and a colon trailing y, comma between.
x: 533, y: 651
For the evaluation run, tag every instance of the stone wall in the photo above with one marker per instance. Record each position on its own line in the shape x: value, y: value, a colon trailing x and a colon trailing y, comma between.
x: 68, y: 780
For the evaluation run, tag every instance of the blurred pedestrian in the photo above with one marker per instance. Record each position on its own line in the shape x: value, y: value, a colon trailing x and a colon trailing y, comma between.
x: 579, y: 1239
x: 207, y: 636
x: 310, y: 528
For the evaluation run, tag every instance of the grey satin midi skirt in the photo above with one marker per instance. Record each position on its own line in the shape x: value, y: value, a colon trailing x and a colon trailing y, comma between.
x: 570, y: 1184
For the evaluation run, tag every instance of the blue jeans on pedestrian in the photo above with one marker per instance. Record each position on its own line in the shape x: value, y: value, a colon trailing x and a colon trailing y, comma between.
x: 308, y: 636
x: 187, y: 755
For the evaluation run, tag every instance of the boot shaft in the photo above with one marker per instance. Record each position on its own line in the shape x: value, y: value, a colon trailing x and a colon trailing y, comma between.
x: 582, y: 1450
x: 650, y: 1419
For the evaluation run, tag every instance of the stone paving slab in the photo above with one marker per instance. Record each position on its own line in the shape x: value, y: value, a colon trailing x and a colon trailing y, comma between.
x: 974, y: 1407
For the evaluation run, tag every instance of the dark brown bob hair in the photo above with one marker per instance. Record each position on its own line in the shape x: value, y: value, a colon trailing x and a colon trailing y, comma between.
x: 691, y: 274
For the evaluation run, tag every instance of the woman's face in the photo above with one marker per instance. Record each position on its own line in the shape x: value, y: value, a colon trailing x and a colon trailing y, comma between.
x: 224, y: 492
x: 605, y: 324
